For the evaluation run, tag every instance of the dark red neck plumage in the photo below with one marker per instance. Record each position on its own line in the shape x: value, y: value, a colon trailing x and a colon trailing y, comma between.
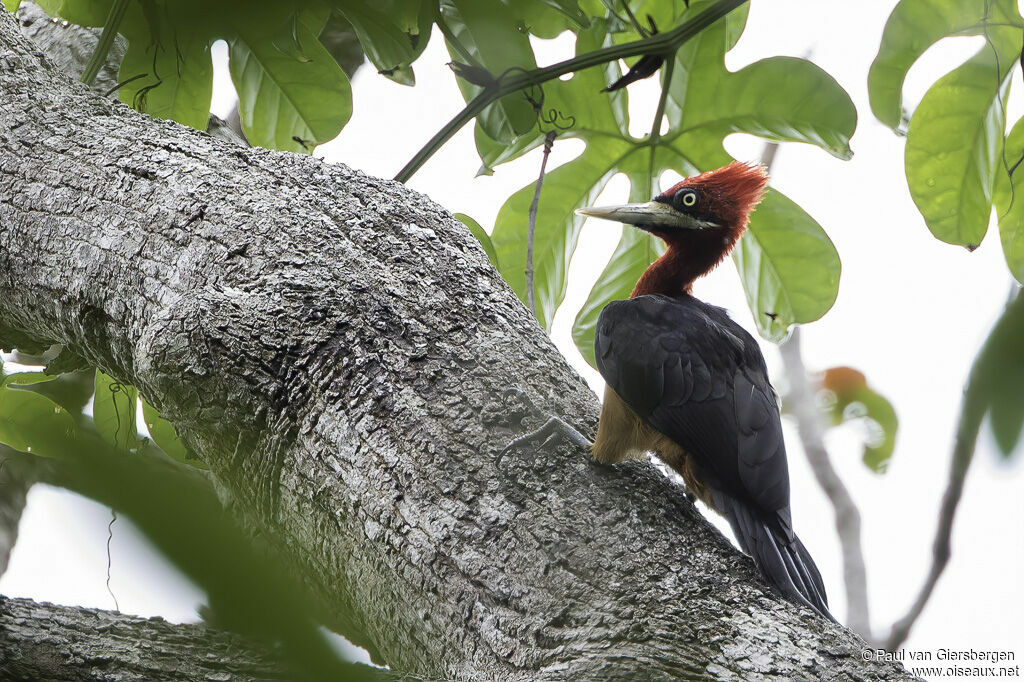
x: 728, y: 194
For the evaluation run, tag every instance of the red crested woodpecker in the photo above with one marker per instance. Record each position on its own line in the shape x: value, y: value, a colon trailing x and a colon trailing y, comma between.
x: 686, y: 382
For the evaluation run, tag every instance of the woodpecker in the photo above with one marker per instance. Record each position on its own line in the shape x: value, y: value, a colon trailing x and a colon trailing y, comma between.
x: 683, y: 380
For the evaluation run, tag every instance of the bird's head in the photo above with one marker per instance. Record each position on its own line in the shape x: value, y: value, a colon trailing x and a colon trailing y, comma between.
x: 717, y: 203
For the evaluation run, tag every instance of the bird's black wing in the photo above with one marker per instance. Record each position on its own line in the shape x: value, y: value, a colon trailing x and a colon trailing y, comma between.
x: 693, y: 374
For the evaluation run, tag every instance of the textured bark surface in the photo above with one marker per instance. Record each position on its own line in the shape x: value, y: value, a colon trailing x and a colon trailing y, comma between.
x: 40, y: 641
x: 337, y: 348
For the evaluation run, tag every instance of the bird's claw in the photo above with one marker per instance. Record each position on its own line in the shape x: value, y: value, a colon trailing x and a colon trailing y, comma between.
x: 551, y: 429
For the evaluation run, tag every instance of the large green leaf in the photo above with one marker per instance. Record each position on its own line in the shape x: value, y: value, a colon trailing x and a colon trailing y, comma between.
x: 912, y: 28
x: 12, y: 5
x: 392, y: 34
x: 481, y: 236
x: 81, y: 12
x: 635, y: 251
x: 24, y: 378
x: 285, y: 103
x: 573, y: 103
x: 789, y: 267
x: 164, y: 435
x: 998, y: 375
x: 166, y: 73
x: 114, y: 411
x: 567, y: 188
x: 488, y: 31
x: 953, y: 148
x: 32, y: 423
x: 779, y: 99
x: 1010, y: 201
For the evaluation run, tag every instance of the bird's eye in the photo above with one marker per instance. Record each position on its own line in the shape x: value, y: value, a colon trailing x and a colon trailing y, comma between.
x: 689, y: 198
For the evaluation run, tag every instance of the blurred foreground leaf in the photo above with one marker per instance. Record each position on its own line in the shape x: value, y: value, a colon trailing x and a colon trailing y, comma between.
x: 849, y: 398
x: 997, y: 379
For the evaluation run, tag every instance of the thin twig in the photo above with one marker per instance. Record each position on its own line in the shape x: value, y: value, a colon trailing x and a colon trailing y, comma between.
x: 517, y: 80
x: 847, y: 516
x: 549, y: 141
x: 972, y: 414
x: 963, y: 453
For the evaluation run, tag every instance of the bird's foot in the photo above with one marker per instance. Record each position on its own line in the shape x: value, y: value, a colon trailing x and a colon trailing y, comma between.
x: 552, y: 428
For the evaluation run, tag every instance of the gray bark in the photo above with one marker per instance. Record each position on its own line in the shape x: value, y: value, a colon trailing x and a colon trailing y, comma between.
x: 337, y: 347
x: 40, y: 641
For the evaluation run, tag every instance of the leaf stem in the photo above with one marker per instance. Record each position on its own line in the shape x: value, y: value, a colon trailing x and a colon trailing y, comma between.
x: 99, y: 55
x: 659, y: 114
x: 513, y: 81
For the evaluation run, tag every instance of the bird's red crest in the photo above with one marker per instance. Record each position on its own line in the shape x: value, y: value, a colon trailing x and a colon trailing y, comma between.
x: 732, y: 190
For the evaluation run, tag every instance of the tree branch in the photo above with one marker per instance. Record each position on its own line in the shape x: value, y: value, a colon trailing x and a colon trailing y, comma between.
x: 40, y: 641
x: 337, y: 348
x: 517, y: 80
x: 975, y: 405
x: 845, y: 512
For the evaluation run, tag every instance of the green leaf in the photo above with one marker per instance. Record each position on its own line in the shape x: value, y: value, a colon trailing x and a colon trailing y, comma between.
x: 481, y: 236
x: 31, y: 423
x: 851, y: 399
x: 164, y: 435
x: 388, y: 38
x: 912, y: 28
x: 488, y: 31
x: 1010, y: 201
x: 12, y: 5
x: 81, y: 12
x: 789, y: 267
x: 999, y: 375
x: 953, y: 147
x: 288, y: 39
x: 24, y: 379
x: 285, y: 103
x: 114, y: 410
x: 635, y: 251
x: 571, y: 9
x: 172, y: 70
x: 567, y: 188
x: 780, y: 98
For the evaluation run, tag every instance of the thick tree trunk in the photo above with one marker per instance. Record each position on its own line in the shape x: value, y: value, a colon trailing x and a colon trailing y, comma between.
x: 337, y: 348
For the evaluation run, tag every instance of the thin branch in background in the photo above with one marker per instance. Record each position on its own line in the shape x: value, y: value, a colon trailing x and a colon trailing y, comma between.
x: 847, y: 516
x: 972, y: 414
x: 662, y: 43
x: 549, y: 141
x: 811, y: 431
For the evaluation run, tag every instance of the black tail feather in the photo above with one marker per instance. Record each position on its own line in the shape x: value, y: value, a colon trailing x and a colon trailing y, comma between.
x: 783, y: 561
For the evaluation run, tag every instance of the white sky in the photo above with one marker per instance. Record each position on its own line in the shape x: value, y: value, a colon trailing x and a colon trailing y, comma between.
x: 911, y: 314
